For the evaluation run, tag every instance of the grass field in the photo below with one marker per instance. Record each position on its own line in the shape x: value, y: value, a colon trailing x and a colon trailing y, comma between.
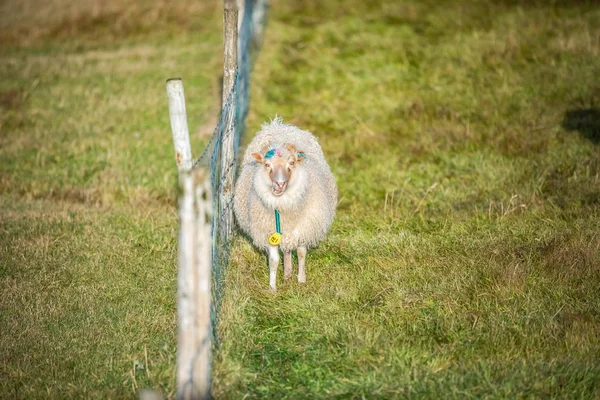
x: 465, y: 257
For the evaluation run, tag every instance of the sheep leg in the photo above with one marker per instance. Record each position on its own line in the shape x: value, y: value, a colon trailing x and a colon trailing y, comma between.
x: 302, y: 264
x: 273, y: 264
x: 287, y: 265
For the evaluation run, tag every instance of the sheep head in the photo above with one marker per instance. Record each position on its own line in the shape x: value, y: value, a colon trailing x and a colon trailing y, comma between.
x: 281, y: 172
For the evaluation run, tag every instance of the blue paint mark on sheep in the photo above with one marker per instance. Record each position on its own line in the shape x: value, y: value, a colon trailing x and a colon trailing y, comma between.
x: 270, y: 154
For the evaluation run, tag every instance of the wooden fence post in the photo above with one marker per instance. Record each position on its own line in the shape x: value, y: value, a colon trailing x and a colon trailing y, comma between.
x: 193, y: 287
x: 230, y: 38
x: 185, y: 290
x: 203, y: 278
x: 230, y: 35
x: 179, y: 126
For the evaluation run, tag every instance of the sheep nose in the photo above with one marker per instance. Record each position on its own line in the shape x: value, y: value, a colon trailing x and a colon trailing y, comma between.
x: 281, y: 184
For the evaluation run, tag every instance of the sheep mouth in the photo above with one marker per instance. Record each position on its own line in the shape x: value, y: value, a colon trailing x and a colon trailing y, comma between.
x: 278, y: 190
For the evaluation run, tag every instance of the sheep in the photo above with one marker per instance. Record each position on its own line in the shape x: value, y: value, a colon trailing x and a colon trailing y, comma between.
x: 284, y: 178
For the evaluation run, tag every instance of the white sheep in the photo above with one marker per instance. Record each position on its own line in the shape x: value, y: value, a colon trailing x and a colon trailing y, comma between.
x: 284, y: 172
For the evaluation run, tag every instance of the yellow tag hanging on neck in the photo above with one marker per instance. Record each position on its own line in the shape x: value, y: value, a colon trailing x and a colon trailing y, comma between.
x: 275, y: 237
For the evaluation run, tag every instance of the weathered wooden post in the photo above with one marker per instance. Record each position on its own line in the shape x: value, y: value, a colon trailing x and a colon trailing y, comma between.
x: 193, y: 287
x: 203, y: 279
x: 230, y: 38
x: 185, y: 290
x: 194, y: 272
x: 179, y: 126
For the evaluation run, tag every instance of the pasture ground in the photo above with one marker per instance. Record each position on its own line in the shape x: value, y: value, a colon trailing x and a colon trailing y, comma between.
x: 465, y: 257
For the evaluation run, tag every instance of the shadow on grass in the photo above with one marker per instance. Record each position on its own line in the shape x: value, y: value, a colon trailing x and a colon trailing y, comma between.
x: 585, y: 121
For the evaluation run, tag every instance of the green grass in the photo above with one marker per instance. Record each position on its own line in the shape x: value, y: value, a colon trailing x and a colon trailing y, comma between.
x: 465, y: 257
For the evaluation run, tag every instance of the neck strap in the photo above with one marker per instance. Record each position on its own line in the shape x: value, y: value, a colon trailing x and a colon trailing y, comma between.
x: 277, y: 224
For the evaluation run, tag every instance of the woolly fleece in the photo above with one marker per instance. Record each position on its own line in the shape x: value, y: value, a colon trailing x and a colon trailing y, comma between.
x: 306, y: 217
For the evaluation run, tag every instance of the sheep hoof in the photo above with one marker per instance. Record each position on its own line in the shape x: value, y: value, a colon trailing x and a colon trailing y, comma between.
x: 301, y: 279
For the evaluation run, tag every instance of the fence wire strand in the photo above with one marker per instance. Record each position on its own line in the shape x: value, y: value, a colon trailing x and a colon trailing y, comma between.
x: 233, y: 112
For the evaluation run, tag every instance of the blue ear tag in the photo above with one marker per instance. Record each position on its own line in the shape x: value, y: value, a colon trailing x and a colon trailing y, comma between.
x: 300, y: 154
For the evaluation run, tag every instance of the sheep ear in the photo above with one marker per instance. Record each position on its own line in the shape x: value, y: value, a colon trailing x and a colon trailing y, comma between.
x: 301, y: 156
x: 257, y: 157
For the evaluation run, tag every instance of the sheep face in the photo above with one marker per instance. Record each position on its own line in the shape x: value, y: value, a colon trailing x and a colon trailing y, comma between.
x: 280, y: 172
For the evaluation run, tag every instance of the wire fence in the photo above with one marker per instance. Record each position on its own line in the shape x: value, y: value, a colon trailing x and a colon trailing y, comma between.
x: 232, y: 121
x: 199, y: 297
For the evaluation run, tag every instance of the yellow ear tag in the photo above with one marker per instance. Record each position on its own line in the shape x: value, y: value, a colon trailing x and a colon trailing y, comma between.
x: 275, y: 239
